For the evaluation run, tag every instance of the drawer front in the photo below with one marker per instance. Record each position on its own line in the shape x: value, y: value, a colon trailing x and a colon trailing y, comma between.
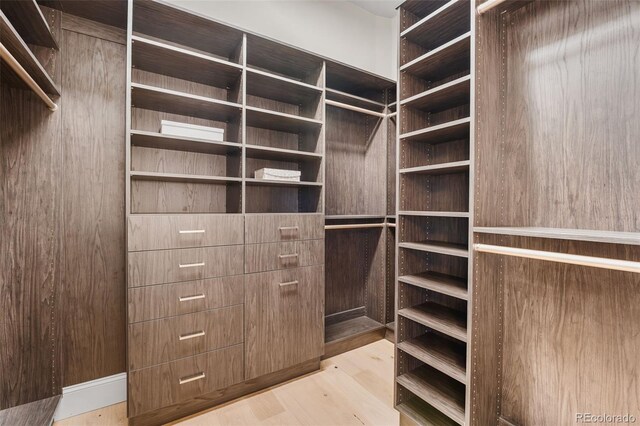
x: 160, y: 301
x: 178, y: 381
x: 283, y: 227
x: 273, y: 256
x: 158, y: 341
x: 284, y: 319
x: 158, y: 232
x: 170, y: 266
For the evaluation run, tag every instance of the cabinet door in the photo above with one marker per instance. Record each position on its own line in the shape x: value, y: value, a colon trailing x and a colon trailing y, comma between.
x: 284, y: 312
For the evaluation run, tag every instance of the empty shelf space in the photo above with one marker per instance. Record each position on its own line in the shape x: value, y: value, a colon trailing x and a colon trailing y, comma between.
x: 21, y: 52
x: 452, y: 130
x: 177, y: 143
x: 436, y: 389
x: 440, y: 318
x: 350, y: 328
x: 432, y: 213
x: 441, y: 283
x: 439, y: 169
x: 450, y: 249
x: 182, y: 178
x: 450, y: 58
x: 271, y: 86
x: 444, y: 24
x: 272, y: 120
x: 265, y: 182
x: 421, y: 8
x: 28, y: 20
x: 354, y: 217
x: 165, y: 59
x: 448, y: 95
x: 444, y: 355
x: 423, y: 413
x: 174, y: 102
x: 357, y: 101
x: 611, y: 237
x: 280, y: 154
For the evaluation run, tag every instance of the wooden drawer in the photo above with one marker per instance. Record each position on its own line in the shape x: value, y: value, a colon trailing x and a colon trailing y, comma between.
x: 168, y: 339
x: 284, y: 319
x: 159, y: 301
x: 283, y: 227
x: 272, y: 256
x: 169, y: 266
x: 157, y: 232
x: 175, y: 382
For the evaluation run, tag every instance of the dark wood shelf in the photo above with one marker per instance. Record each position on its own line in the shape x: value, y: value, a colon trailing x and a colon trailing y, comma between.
x: 357, y: 101
x: 182, y: 178
x: 161, y: 58
x: 422, y: 8
x: 442, y: 25
x: 451, y: 249
x: 610, y: 237
x: 264, y: 182
x: 21, y: 52
x: 452, y: 130
x: 280, y: 154
x: 176, y: 143
x: 446, y: 96
x: 171, y: 101
x: 423, y: 413
x: 440, y: 318
x: 358, y: 82
x: 282, y: 59
x: 446, y: 356
x: 33, y: 413
x: 350, y: 328
x: 272, y: 120
x: 441, y: 283
x: 438, y: 390
x: 439, y: 169
x: 271, y: 86
x: 432, y: 213
x: 28, y: 20
x: 449, y: 59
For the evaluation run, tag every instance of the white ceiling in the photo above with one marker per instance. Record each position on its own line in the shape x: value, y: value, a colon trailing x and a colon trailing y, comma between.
x: 385, y: 8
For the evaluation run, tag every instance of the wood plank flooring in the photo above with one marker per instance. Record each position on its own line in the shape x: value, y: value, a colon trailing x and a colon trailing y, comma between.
x: 353, y: 388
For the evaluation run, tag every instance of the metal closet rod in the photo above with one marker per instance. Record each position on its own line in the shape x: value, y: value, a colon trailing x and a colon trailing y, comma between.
x: 24, y: 76
x: 354, y: 108
x: 573, y: 259
x: 488, y: 5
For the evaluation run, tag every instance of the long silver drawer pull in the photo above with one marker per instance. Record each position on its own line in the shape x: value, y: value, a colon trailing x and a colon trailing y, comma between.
x: 289, y: 228
x: 288, y: 283
x: 190, y: 265
x: 194, y: 297
x: 193, y: 378
x: 193, y: 231
x: 191, y: 335
x: 287, y: 256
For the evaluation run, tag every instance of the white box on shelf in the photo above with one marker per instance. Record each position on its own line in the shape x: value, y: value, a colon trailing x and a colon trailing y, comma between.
x: 175, y: 128
x: 278, y: 174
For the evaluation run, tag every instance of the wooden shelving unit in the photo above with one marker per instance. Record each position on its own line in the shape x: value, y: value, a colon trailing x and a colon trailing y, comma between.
x: 283, y: 122
x: 28, y: 20
x: 611, y: 237
x: 184, y: 178
x: 434, y: 203
x: 161, y: 141
x: 283, y: 89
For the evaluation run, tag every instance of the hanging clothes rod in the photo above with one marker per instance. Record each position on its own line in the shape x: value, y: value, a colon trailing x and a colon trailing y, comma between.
x: 24, y: 76
x: 488, y: 5
x: 354, y: 108
x: 574, y: 259
x: 356, y: 226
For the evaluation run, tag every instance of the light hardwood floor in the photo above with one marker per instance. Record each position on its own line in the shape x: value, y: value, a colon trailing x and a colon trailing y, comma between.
x: 354, y: 388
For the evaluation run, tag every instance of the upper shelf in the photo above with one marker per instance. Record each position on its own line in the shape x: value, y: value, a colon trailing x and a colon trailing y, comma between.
x: 443, y: 97
x: 171, y: 101
x: 357, y: 101
x: 446, y: 23
x: 452, y: 130
x: 271, y: 86
x: 421, y: 8
x: 161, y: 58
x: 450, y: 58
x: 28, y: 20
x: 611, y: 237
x: 157, y: 140
x: 17, y: 47
x: 266, y: 119
x: 357, y: 82
x: 438, y: 169
x: 270, y: 153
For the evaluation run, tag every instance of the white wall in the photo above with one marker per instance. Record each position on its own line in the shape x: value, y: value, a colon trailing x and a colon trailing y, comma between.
x: 338, y: 30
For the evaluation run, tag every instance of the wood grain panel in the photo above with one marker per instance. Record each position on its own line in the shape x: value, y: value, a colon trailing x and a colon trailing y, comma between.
x: 284, y: 324
x: 159, y: 301
x: 272, y: 228
x: 272, y: 256
x: 33, y: 413
x: 182, y: 162
x: 156, y: 232
x: 159, y: 386
x: 93, y: 272
x: 168, y: 339
x: 160, y: 267
x: 178, y: 197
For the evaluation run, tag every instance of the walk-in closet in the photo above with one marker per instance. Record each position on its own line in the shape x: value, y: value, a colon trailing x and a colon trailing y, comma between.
x: 418, y: 212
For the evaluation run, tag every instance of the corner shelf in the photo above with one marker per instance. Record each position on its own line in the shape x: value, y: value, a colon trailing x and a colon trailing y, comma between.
x: 182, y: 178
x: 275, y: 87
x: 440, y: 283
x: 272, y: 120
x: 445, y: 23
x: 440, y: 353
x: 610, y: 237
x: 438, y: 169
x: 448, y: 59
x: 452, y: 130
x: 176, y: 143
x: 450, y: 249
x: 445, y: 96
x: 440, y: 318
x: 174, y: 102
x: 29, y: 22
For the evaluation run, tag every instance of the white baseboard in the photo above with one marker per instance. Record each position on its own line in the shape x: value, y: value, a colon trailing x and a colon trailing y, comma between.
x: 93, y: 395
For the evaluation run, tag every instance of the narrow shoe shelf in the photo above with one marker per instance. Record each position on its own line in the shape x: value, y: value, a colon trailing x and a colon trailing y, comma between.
x: 28, y: 20
x: 284, y: 183
x: 280, y: 154
x: 182, y: 178
x: 450, y: 58
x: 157, y: 140
x: 423, y: 413
x: 452, y: 130
x: 445, y: 355
x: 444, y: 24
x: 445, y: 96
x: 272, y: 86
x: 441, y: 283
x: 440, y: 318
x: 450, y: 249
x: 439, y: 169
x: 432, y: 213
x: 272, y: 120
x: 349, y: 328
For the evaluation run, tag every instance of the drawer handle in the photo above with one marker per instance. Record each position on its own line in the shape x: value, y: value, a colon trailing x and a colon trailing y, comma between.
x: 288, y: 228
x: 289, y: 283
x: 191, y: 335
x: 192, y: 231
x: 190, y: 265
x: 192, y: 378
x: 287, y: 256
x: 194, y: 297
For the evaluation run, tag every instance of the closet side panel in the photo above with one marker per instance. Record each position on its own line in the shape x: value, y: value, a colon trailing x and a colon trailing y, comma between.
x: 30, y: 208
x: 93, y: 312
